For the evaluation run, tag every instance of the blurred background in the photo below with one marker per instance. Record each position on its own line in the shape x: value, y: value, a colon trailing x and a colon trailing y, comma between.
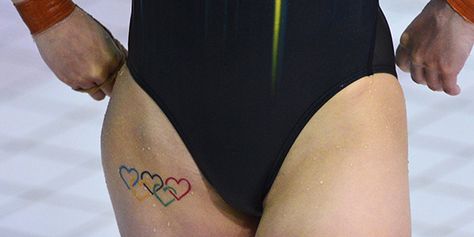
x: 51, y: 179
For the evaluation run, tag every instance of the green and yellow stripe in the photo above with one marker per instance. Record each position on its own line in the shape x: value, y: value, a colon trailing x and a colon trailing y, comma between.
x: 279, y: 25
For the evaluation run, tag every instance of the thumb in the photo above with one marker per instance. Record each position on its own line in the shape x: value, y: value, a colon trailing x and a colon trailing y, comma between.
x: 402, y: 59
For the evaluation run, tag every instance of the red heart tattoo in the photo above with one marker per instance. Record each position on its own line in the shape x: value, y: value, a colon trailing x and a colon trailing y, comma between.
x: 182, y: 188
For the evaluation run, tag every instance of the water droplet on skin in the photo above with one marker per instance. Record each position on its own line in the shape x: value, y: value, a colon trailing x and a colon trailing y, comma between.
x: 154, y: 205
x: 154, y: 229
x: 169, y: 223
x: 321, y: 182
x: 148, y: 148
x: 365, y: 146
x: 192, y: 193
x: 307, y: 189
x: 350, y: 164
x: 143, y: 148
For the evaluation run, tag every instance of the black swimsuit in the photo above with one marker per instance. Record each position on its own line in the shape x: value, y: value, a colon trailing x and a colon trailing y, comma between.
x: 239, y: 79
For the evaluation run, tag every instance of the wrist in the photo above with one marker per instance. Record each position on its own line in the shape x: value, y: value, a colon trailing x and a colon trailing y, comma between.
x: 465, y: 8
x: 40, y: 15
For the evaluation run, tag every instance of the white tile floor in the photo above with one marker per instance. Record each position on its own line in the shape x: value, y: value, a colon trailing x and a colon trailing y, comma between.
x: 50, y: 135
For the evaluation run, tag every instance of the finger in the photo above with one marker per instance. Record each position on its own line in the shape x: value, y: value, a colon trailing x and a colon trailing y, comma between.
x: 450, y: 85
x: 99, y: 95
x: 416, y: 72
x: 432, y: 79
x: 402, y: 59
x: 82, y: 84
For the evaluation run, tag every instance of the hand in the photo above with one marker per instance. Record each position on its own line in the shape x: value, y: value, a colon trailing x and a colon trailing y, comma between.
x: 80, y: 53
x: 435, y: 47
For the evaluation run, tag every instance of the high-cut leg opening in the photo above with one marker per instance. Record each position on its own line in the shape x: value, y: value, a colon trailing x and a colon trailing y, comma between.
x: 313, y: 109
x: 168, y: 113
x: 380, y: 60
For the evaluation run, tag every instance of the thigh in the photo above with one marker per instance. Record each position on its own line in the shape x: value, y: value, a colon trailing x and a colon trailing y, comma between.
x: 347, y: 172
x: 155, y: 187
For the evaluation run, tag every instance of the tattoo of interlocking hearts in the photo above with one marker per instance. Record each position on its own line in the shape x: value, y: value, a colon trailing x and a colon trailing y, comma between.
x: 146, y: 184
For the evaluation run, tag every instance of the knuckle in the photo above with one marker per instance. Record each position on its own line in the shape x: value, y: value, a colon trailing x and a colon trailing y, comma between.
x: 417, y: 55
x: 405, y: 38
x: 98, y: 74
x: 114, y: 58
x: 445, y: 70
x: 416, y: 58
x: 444, y: 66
x: 430, y: 65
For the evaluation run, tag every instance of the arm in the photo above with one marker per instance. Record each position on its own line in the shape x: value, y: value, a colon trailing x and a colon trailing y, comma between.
x: 77, y: 48
x: 435, y: 47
